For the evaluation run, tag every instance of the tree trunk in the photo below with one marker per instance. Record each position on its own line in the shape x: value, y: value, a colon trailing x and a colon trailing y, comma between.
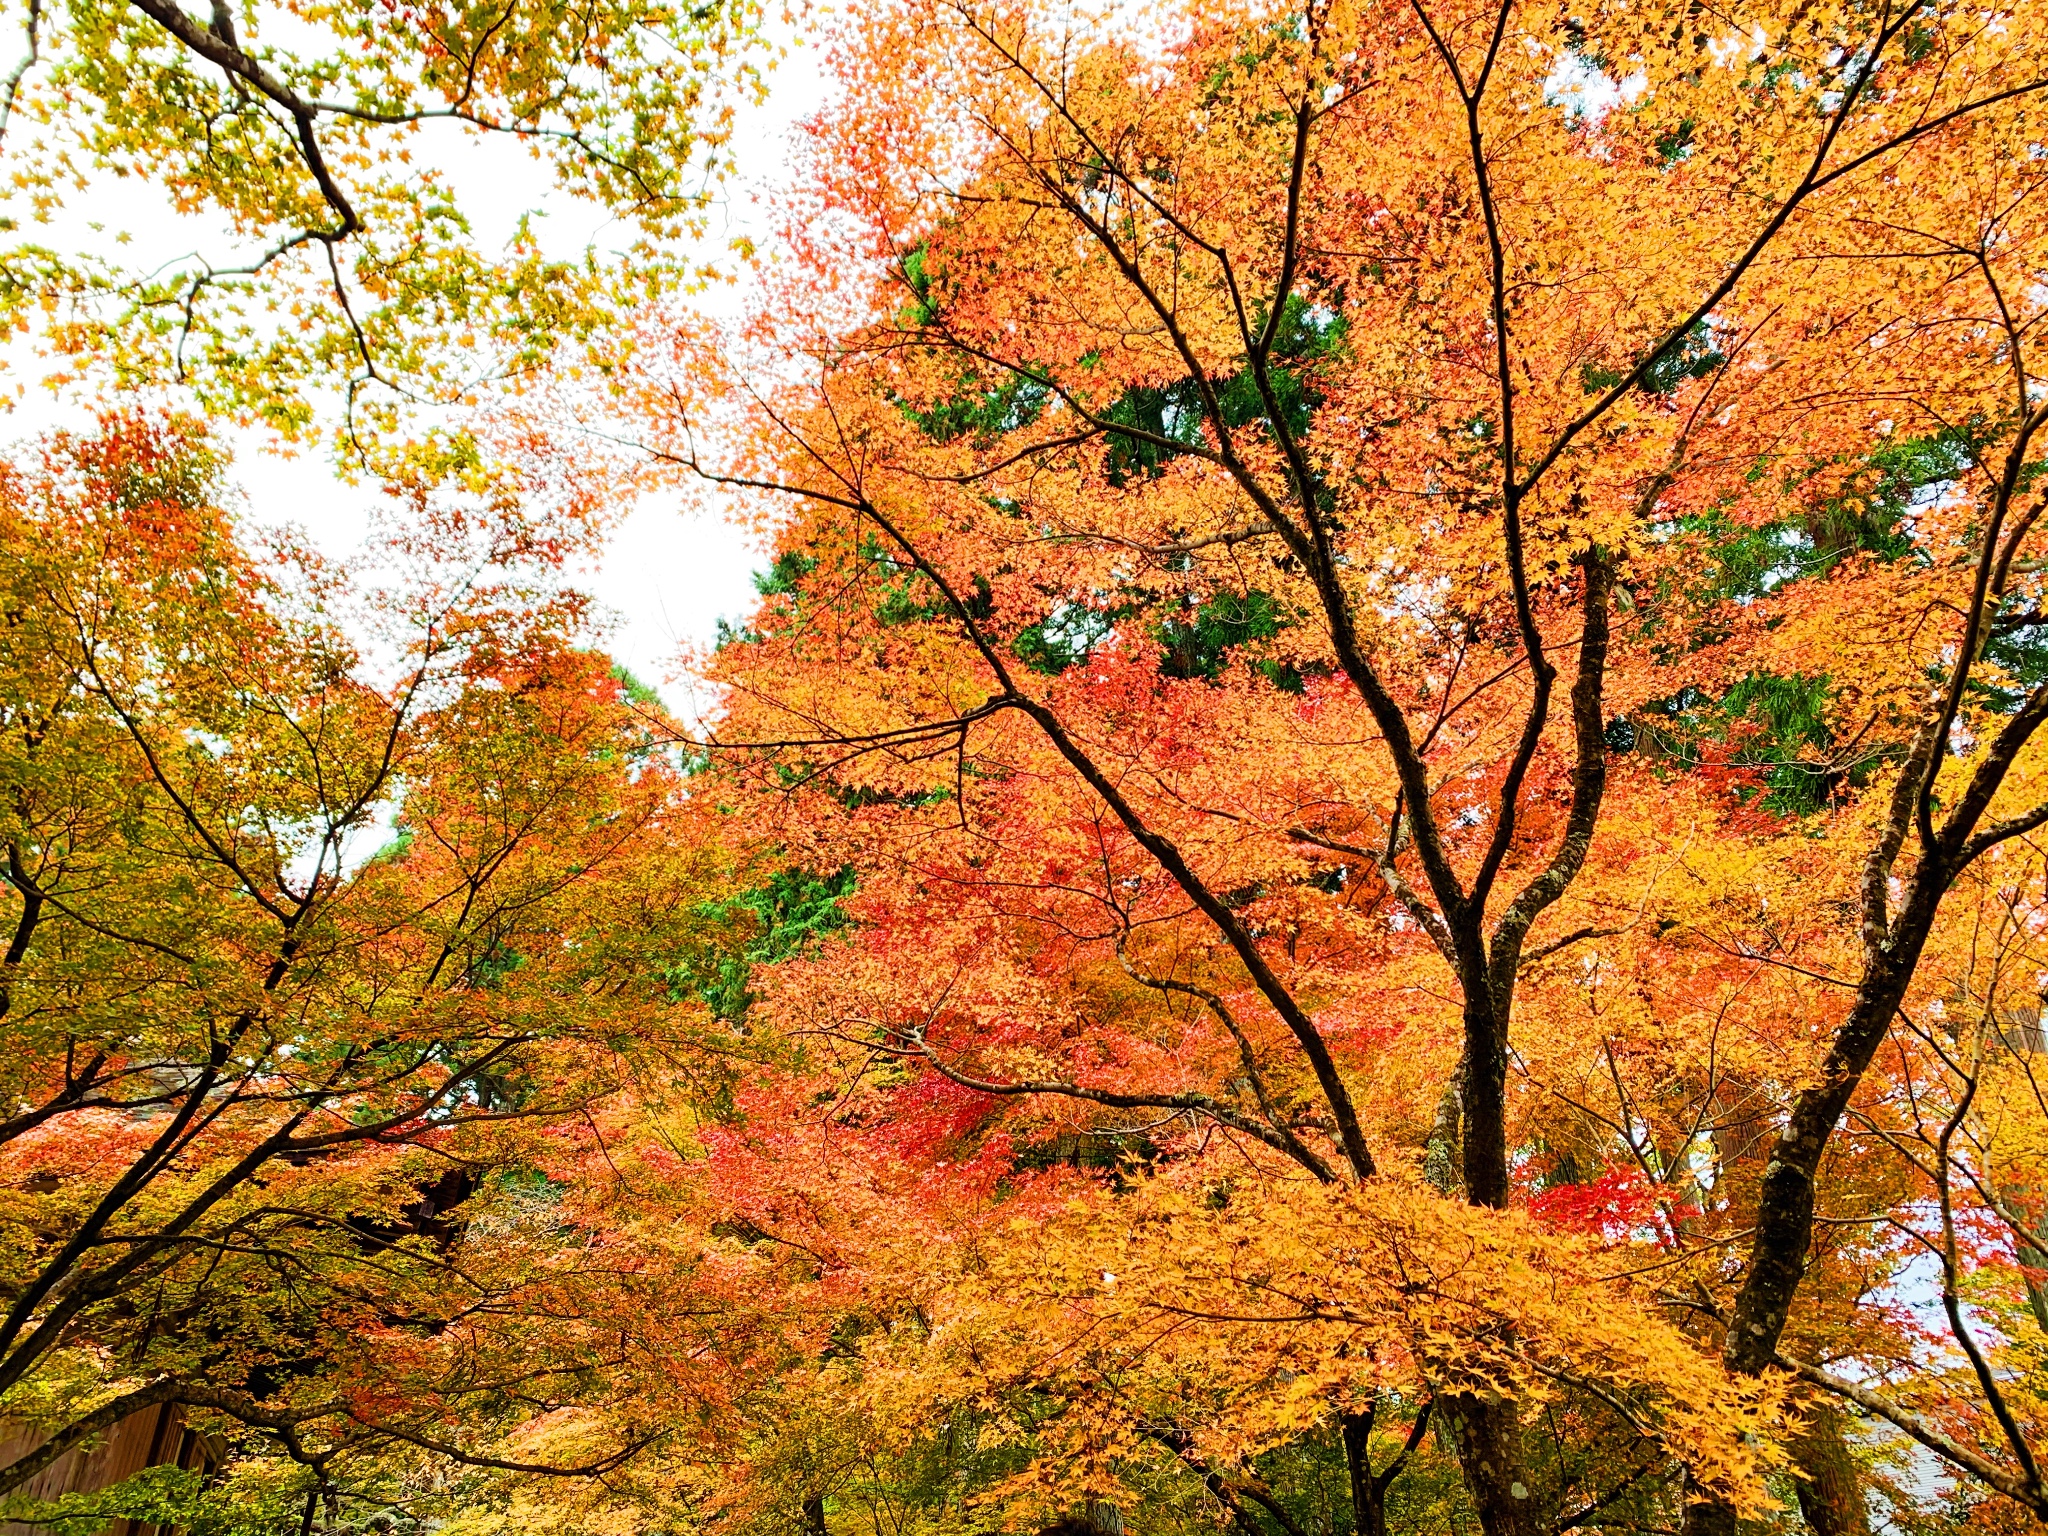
x: 1488, y: 1432
x: 1488, y: 1436
x: 1482, y: 1098
x: 1830, y: 1492
x: 1368, y: 1498
x: 1784, y: 1218
x: 814, y: 1516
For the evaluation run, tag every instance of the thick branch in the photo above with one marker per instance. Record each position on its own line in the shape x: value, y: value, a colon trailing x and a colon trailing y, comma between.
x: 1973, y: 1461
x: 1180, y: 1103
x: 83, y: 1429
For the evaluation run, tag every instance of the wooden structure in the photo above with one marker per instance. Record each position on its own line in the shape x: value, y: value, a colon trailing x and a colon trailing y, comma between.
x: 152, y: 1438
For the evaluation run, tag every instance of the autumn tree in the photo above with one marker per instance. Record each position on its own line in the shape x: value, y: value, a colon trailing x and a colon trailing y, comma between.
x: 339, y: 282
x: 1325, y: 546
x: 329, y: 956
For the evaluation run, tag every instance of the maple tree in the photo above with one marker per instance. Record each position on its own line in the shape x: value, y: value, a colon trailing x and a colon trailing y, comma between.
x: 340, y: 282
x: 1433, y: 606
x: 1372, y: 863
x: 297, y: 1124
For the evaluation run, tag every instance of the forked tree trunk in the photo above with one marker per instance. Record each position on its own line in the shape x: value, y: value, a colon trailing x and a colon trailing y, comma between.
x: 1368, y: 1500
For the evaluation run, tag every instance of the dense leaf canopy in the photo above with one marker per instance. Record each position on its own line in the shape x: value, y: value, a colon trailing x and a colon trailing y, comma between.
x: 1371, y: 864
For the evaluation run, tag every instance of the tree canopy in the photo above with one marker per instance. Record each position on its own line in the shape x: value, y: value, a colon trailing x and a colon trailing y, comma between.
x: 1371, y: 864
x: 312, y: 151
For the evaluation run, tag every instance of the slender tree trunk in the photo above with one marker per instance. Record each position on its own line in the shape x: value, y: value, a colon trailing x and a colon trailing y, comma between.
x: 814, y: 1516
x: 1488, y: 1434
x: 1785, y: 1199
x: 1482, y: 1094
x: 1368, y: 1498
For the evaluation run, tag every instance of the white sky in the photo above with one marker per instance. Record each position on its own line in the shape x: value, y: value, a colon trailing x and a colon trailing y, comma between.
x: 666, y: 577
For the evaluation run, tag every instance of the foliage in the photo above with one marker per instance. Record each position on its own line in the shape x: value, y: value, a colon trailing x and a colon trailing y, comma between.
x: 1417, y: 626
x: 790, y: 911
x: 274, y: 1104
x: 344, y: 285
x: 1372, y: 864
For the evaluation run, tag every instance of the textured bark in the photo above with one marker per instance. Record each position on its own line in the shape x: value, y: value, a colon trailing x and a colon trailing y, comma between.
x: 1368, y: 1503
x: 1443, y: 1162
x: 1488, y: 1436
x: 1482, y: 1078
x: 1706, y: 1515
x: 1830, y: 1492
